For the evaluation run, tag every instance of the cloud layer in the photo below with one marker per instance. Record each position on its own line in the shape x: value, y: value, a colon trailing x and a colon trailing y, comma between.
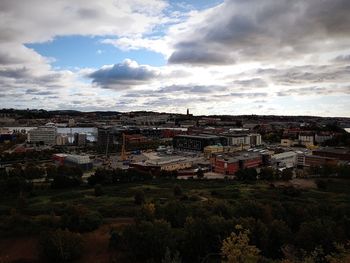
x: 240, y: 56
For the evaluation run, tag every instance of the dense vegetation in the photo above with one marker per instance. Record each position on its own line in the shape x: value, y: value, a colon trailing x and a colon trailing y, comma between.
x: 187, y: 221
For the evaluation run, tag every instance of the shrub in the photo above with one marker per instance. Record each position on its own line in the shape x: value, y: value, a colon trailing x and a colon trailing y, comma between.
x: 60, y: 246
x: 79, y: 218
x: 177, y: 190
x: 98, y: 190
x: 139, y: 197
x: 321, y: 184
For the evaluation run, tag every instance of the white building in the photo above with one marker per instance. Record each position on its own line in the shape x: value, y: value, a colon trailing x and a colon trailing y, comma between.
x: 44, y: 134
x: 255, y: 139
x: 62, y: 140
x: 285, y: 159
x: 322, y: 138
x: 306, y: 139
x: 171, y: 163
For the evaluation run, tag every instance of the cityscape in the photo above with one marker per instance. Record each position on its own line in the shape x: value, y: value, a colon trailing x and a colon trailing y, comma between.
x: 167, y: 131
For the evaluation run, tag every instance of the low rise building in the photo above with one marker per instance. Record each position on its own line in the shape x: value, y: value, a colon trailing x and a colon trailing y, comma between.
x: 340, y: 153
x: 285, y: 159
x: 171, y: 163
x: 196, y: 142
x: 229, y: 164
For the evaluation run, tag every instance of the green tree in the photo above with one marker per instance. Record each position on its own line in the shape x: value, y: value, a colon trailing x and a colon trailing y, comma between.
x: 236, y: 248
x: 61, y: 246
x: 139, y: 197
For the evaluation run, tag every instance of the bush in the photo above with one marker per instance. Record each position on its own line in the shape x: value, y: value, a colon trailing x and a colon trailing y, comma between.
x: 139, y: 197
x: 149, y: 240
x: 177, y: 190
x: 321, y: 184
x: 98, y: 190
x: 80, y: 219
x: 60, y: 246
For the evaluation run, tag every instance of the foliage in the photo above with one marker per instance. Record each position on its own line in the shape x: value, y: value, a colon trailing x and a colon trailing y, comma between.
x: 236, y: 248
x: 98, y: 190
x: 149, y: 240
x: 248, y: 174
x: 80, y: 219
x: 139, y: 197
x: 177, y: 190
x: 61, y: 246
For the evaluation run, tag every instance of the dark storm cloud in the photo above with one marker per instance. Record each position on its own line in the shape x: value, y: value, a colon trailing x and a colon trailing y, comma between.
x: 265, y: 30
x: 123, y: 75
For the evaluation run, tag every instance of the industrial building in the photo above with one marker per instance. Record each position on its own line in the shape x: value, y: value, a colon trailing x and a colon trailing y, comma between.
x: 340, y: 153
x: 285, y: 159
x: 229, y: 164
x: 82, y: 161
x: 196, y: 142
x: 43, y: 134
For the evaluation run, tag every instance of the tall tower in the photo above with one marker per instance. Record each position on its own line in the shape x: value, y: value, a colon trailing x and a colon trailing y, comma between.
x: 188, y: 112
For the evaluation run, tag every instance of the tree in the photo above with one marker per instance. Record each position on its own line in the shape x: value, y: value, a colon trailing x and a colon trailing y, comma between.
x: 177, y: 190
x: 139, y: 197
x: 267, y: 173
x: 200, y: 173
x: 148, y: 241
x: 287, y: 174
x: 98, y: 190
x: 61, y: 246
x: 236, y: 248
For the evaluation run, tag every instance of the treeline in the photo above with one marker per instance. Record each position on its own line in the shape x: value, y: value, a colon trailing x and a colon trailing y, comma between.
x: 29, y: 155
x: 284, y: 229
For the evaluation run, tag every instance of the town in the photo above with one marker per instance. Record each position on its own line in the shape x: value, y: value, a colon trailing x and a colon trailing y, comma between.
x: 97, y: 173
x: 215, y: 147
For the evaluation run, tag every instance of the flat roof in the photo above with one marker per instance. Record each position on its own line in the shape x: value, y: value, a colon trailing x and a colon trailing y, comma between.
x: 200, y: 136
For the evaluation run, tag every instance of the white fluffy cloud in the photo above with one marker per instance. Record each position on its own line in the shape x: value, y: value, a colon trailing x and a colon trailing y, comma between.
x: 252, y: 56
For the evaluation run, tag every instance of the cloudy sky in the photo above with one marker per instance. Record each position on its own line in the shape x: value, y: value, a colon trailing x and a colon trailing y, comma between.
x: 211, y: 56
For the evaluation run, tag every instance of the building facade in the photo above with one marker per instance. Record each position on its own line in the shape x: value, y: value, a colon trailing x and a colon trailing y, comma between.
x: 44, y: 134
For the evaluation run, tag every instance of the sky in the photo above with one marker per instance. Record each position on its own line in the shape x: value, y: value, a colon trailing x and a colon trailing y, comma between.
x: 232, y: 57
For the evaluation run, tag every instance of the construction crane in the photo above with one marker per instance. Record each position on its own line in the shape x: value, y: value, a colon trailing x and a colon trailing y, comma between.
x: 123, y: 155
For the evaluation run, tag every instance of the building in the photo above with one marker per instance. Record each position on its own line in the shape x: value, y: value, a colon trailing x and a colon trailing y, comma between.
x: 6, y: 135
x: 306, y: 139
x: 171, y: 163
x: 237, y: 139
x: 229, y: 164
x: 111, y: 135
x: 82, y: 161
x: 43, y: 134
x: 285, y: 159
x: 314, y: 160
x: 135, y: 138
x: 62, y: 140
x: 255, y: 139
x: 196, y: 143
x: 213, y: 149
x: 320, y: 138
x: 340, y: 153
x: 287, y: 142
x: 71, y: 123
x: 80, y: 139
